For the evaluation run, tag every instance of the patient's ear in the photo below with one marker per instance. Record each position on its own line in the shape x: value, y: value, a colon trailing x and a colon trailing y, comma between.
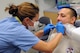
x: 73, y: 19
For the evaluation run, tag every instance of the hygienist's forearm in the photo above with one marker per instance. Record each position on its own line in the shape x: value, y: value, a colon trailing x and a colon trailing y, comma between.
x: 39, y: 33
x: 48, y: 46
x: 54, y: 42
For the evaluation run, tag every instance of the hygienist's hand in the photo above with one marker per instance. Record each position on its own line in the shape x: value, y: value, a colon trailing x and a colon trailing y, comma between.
x: 48, y: 28
x: 60, y: 28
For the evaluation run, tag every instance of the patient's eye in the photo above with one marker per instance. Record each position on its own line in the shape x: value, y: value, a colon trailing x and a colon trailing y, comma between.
x: 62, y: 15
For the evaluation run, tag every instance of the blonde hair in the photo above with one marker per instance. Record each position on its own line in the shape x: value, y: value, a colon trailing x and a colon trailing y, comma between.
x: 23, y: 10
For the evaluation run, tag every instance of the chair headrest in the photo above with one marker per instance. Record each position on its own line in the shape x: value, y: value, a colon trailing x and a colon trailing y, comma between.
x: 77, y: 23
x: 44, y: 20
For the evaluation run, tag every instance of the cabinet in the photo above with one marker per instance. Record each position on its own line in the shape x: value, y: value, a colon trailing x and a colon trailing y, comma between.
x: 52, y: 16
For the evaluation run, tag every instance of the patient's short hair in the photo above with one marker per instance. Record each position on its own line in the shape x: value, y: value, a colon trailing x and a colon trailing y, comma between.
x: 73, y: 11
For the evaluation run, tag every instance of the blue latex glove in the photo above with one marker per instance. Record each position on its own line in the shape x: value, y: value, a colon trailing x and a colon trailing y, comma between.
x: 60, y: 28
x: 48, y: 28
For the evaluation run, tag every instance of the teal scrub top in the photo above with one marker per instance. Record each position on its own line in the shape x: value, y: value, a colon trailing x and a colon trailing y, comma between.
x: 14, y: 36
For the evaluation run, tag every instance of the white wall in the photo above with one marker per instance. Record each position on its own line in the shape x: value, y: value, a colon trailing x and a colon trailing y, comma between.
x: 76, y: 1
x: 5, y: 3
x: 45, y: 4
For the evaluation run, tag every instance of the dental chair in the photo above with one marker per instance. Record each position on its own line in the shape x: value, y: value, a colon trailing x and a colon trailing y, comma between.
x: 45, y: 20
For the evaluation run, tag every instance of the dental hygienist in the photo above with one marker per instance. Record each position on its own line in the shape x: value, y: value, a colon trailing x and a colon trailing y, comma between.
x: 14, y: 33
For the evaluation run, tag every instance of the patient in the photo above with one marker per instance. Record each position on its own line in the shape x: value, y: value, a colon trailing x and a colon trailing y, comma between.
x: 67, y: 45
